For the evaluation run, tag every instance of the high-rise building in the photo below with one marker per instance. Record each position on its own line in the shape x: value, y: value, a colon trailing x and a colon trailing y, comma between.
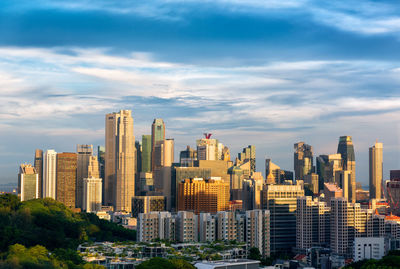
x: 49, y: 174
x: 343, y: 180
x: 248, y: 154
x: 347, y: 221
x: 393, y: 191
x: 312, y: 183
x: 207, y: 149
x: 146, y: 153
x: 66, y: 178
x: 92, y: 194
x: 157, y: 134
x: 101, y: 153
x: 272, y: 172
x: 331, y: 191
x: 303, y: 160
x: 346, y: 149
x: 207, y: 227
x: 312, y: 224
x: 120, y: 161
x: 258, y: 230
x: 327, y: 165
x: 155, y: 225
x: 146, y: 204
x: 281, y: 201
x: 28, y: 182
x: 163, y: 153
x: 38, y: 163
x: 84, y: 153
x: 394, y: 174
x: 181, y: 173
x: 375, y: 171
x: 188, y: 157
x: 227, y: 226
x: 138, y: 166
x: 186, y: 227
x: 203, y: 195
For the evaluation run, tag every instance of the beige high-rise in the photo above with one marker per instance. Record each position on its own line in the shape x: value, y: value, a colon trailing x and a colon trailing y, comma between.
x: 84, y: 154
x: 375, y: 171
x: 120, y: 159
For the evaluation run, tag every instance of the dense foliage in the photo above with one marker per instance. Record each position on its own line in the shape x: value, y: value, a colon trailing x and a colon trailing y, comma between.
x: 43, y: 233
x: 390, y: 261
x: 156, y: 263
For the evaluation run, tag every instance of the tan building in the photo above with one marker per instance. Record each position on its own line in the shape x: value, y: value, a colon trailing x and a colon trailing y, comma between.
x: 92, y: 194
x: 84, y: 153
x: 66, y: 178
x: 331, y: 191
x: 346, y: 149
x: 303, y: 160
x: 203, y: 195
x: 219, y: 168
x: 375, y: 171
x: 258, y: 230
x: 39, y: 168
x: 281, y: 201
x: 207, y: 149
x: 157, y: 135
x: 272, y: 172
x: 49, y: 174
x: 312, y: 182
x: 120, y: 161
x: 312, y: 224
x: 343, y: 179
x: 28, y: 182
x: 164, y: 153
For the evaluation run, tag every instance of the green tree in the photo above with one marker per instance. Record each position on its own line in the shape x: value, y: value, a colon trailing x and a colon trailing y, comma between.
x: 156, y: 263
x: 254, y: 254
x: 181, y: 264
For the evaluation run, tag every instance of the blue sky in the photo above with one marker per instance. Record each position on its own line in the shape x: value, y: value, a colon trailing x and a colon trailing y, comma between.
x: 268, y: 73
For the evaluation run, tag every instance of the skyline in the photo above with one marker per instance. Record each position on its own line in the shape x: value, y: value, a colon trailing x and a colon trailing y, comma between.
x: 250, y: 72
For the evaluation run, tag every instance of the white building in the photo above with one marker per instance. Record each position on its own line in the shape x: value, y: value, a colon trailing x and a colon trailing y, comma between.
x: 92, y: 194
x: 368, y: 248
x: 49, y: 173
x: 228, y: 264
x: 207, y: 227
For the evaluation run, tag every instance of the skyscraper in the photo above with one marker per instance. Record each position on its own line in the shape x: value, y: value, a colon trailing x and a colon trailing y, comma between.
x: 84, y: 153
x: 327, y: 165
x: 346, y: 149
x: 272, y: 172
x: 249, y: 154
x: 207, y: 149
x: 375, y: 171
x: 38, y: 163
x: 66, y: 178
x: 303, y: 160
x: 187, y: 157
x: 92, y: 194
x: 49, y: 174
x: 28, y: 182
x: 120, y: 161
x: 157, y: 134
x: 146, y: 153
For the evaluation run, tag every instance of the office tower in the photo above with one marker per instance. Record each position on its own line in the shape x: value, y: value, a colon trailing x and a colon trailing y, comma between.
x: 375, y: 171
x: 281, y: 201
x: 155, y: 225
x: 327, y: 165
x: 49, y: 174
x: 258, y: 230
x: 163, y: 153
x: 146, y: 153
x: 312, y: 224
x: 157, y: 134
x: 93, y: 167
x: 393, y: 192
x: 92, y: 194
x: 343, y: 180
x: 186, y: 227
x: 347, y: 222
x: 146, y: 204
x: 225, y: 153
x: 286, y: 176
x: 120, y: 161
x: 303, y: 160
x: 207, y: 149
x: 346, y: 149
x: 248, y: 154
x: 312, y: 183
x: 219, y: 168
x: 207, y: 227
x: 331, y: 191
x: 101, y: 153
x: 146, y: 183
x: 138, y: 166
x: 84, y: 153
x: 38, y: 163
x: 187, y: 157
x: 181, y: 173
x: 272, y: 172
x: 28, y: 182
x: 203, y: 195
x: 66, y: 178
x: 252, y: 188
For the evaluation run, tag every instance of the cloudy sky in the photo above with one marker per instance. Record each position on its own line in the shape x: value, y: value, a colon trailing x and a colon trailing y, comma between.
x: 262, y: 72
